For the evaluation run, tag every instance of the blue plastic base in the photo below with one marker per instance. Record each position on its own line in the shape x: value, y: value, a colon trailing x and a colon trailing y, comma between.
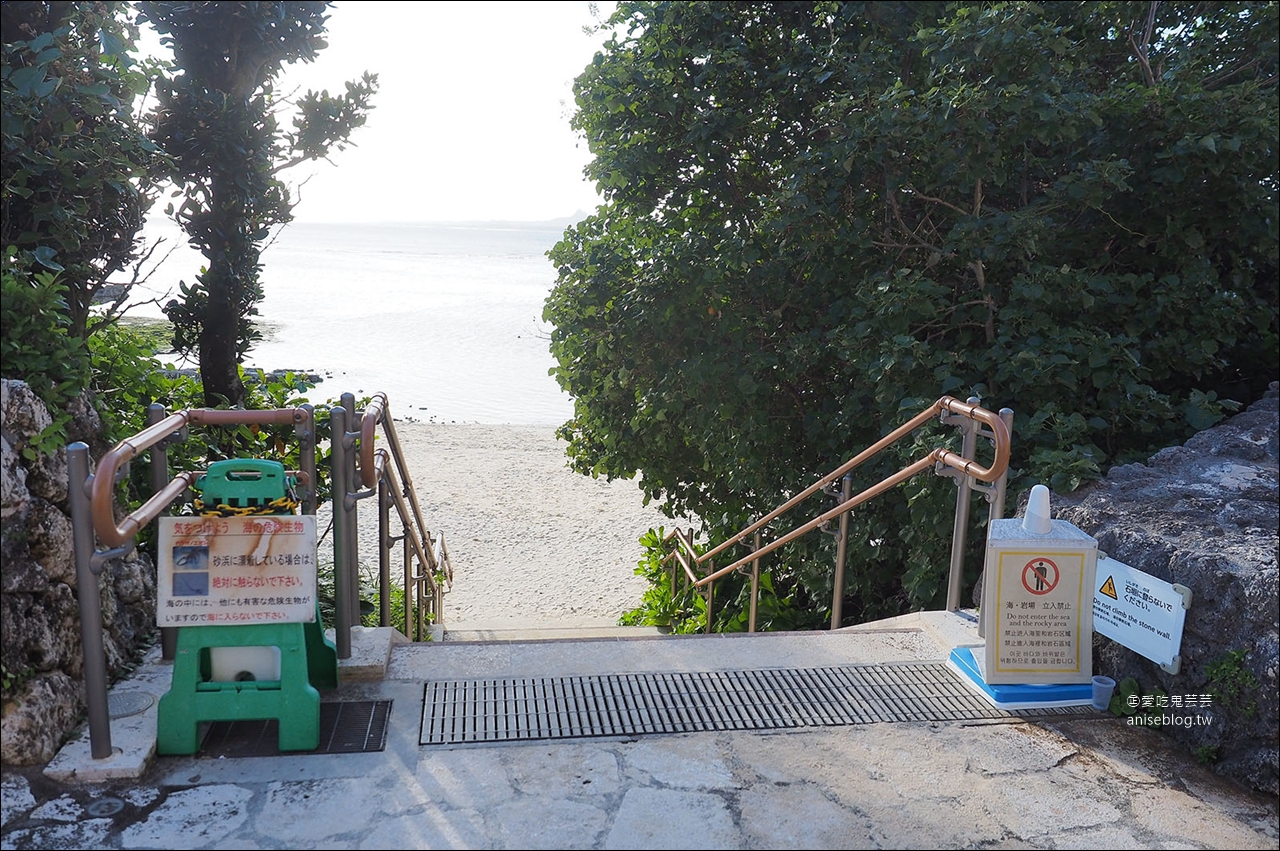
x: 1014, y: 696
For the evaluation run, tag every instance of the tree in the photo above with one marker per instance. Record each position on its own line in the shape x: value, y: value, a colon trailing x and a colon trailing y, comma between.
x: 821, y: 216
x: 77, y: 167
x: 216, y: 118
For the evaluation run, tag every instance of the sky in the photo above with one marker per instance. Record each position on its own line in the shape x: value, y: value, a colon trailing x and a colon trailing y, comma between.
x: 471, y: 119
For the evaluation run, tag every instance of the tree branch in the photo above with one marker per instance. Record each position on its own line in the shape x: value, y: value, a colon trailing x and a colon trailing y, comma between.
x: 1140, y: 50
x: 930, y: 198
x: 1218, y: 79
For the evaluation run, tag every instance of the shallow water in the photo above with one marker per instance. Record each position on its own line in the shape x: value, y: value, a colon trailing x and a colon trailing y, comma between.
x: 445, y: 319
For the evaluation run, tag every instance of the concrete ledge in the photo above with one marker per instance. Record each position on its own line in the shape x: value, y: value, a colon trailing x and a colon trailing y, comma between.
x: 505, y: 631
x: 948, y: 630
x: 133, y: 735
x: 370, y: 652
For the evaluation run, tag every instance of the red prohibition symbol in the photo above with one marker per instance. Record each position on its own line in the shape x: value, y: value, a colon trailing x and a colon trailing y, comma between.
x: 1040, y: 576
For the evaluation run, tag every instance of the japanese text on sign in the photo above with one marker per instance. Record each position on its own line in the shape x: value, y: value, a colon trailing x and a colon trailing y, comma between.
x: 1141, y: 612
x: 218, y: 570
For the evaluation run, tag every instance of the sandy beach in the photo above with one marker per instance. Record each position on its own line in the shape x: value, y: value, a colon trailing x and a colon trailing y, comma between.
x: 532, y: 542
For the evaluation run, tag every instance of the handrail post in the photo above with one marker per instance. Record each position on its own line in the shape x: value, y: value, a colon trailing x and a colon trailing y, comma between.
x: 436, y: 606
x: 339, y: 484
x: 159, y: 478
x: 88, y: 594
x: 305, y: 431
x: 997, y: 501
x: 755, y: 584
x: 995, y: 510
x: 960, y: 530
x: 684, y: 583
x: 842, y: 543
x: 711, y: 590
x: 384, y: 554
x: 411, y: 592
x: 674, y: 563
x: 350, y: 513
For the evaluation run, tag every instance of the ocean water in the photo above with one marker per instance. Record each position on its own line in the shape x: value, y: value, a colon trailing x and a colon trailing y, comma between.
x: 445, y: 319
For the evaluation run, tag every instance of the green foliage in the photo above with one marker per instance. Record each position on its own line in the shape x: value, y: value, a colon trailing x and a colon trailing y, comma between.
x: 325, y: 594
x: 77, y: 179
x: 11, y: 681
x: 820, y: 217
x: 1131, y: 699
x: 1231, y: 682
x: 396, y: 595
x: 127, y: 378
x: 154, y: 335
x: 1125, y: 700
x: 1207, y: 754
x: 78, y: 173
x: 683, y: 609
x: 35, y: 345
x: 216, y: 119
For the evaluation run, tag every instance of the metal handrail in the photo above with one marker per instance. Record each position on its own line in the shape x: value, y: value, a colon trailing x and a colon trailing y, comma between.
x: 359, y: 463
x: 93, y: 518
x: 944, y: 462
x: 424, y: 550
x: 109, y: 468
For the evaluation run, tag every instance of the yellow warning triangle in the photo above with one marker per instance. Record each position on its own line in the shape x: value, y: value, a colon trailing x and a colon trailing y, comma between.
x: 1109, y: 588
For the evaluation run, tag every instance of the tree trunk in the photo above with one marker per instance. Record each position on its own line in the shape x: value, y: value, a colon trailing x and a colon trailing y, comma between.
x: 219, y: 370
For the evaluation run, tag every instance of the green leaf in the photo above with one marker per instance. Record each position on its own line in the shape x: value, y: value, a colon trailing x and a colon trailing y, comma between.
x: 44, y: 256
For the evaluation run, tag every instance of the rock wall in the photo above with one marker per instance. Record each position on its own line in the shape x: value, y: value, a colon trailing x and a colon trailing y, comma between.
x: 1205, y: 515
x: 40, y: 646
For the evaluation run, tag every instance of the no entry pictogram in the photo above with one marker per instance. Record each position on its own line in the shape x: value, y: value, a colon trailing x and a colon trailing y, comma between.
x: 1040, y: 576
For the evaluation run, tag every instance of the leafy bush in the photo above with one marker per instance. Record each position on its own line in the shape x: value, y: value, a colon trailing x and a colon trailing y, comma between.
x: 35, y: 346
x: 820, y: 217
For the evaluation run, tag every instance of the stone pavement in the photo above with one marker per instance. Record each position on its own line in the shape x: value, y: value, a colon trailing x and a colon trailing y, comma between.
x: 1077, y: 781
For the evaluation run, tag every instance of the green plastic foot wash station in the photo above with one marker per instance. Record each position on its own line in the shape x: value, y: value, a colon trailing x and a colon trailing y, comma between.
x: 239, y: 583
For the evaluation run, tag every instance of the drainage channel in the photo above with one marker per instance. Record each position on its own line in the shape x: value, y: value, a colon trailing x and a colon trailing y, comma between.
x: 536, y: 708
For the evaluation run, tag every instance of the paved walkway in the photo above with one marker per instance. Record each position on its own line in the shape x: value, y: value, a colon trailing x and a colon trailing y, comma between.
x: 1081, y: 781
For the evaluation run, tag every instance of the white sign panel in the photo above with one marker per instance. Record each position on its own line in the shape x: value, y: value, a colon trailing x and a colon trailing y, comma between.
x: 1141, y: 612
x: 223, y: 571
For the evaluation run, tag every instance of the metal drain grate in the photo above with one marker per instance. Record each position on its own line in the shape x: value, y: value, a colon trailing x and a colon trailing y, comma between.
x: 355, y: 726
x: 517, y: 709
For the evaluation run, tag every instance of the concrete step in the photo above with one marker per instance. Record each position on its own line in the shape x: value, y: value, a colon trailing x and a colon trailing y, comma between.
x: 510, y: 630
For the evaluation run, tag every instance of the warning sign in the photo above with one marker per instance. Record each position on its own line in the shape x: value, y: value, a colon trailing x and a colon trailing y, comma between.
x: 1038, y: 623
x: 1109, y: 588
x: 1141, y: 612
x: 217, y: 571
x: 1040, y: 576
